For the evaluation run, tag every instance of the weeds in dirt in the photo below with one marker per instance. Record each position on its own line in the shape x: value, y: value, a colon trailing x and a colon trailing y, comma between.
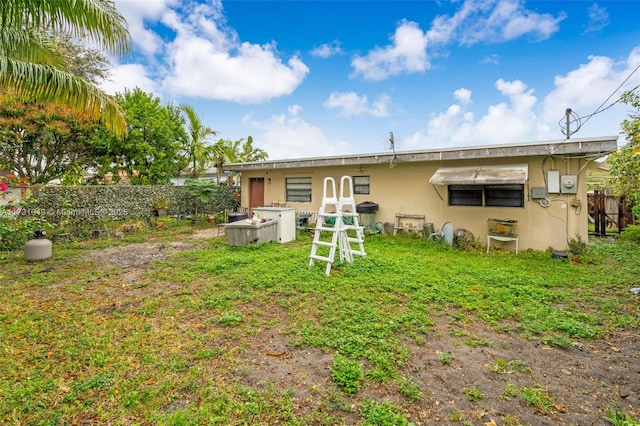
x: 617, y: 417
x: 501, y: 366
x: 476, y: 341
x: 347, y: 373
x: 456, y: 416
x: 86, y: 341
x: 473, y: 394
x: 445, y: 358
x: 535, y: 396
x: 381, y: 414
x: 410, y: 389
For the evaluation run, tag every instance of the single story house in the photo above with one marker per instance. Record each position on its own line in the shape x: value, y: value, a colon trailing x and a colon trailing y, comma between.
x: 541, y: 185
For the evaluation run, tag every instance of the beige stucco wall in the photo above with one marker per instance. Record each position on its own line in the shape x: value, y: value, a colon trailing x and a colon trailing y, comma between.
x: 405, y: 188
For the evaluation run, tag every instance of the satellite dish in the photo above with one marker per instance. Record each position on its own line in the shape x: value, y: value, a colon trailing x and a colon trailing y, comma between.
x: 445, y: 234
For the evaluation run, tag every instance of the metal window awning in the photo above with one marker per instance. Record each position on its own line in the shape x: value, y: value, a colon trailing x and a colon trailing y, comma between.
x: 481, y: 175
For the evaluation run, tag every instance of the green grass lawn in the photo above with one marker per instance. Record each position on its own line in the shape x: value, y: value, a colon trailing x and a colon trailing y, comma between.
x: 84, y: 343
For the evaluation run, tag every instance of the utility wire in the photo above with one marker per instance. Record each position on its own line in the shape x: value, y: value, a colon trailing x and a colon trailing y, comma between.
x: 584, y: 119
x: 579, y: 120
x: 599, y: 110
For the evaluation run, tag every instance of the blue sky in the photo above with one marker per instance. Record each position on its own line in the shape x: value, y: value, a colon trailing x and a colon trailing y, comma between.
x: 310, y: 78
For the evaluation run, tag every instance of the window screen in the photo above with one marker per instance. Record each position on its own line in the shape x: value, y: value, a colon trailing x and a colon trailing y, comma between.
x: 361, y: 184
x: 486, y: 195
x: 299, y: 189
x: 465, y: 195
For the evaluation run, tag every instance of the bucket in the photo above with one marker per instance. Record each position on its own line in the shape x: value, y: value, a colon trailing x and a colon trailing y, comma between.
x: 388, y: 228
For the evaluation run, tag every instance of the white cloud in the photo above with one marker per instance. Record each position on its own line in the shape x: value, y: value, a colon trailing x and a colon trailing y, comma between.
x: 205, y: 58
x: 327, y: 50
x: 351, y: 104
x: 406, y: 54
x: 294, y: 109
x: 587, y: 87
x: 475, y: 21
x: 491, y: 59
x: 510, y: 121
x: 289, y: 136
x: 136, y: 13
x: 598, y: 18
x: 444, y: 29
x: 492, y: 21
x: 505, y: 122
x: 523, y: 118
x: 129, y: 76
x: 254, y: 74
x: 463, y: 95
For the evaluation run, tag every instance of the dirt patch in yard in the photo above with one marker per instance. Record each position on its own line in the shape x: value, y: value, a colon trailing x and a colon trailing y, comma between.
x: 574, y: 385
x: 140, y: 254
x: 467, y: 373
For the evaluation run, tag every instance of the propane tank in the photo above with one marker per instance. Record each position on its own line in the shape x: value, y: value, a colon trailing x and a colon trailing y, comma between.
x: 38, y: 248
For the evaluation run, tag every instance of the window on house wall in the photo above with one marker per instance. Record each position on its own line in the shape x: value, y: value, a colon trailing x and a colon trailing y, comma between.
x: 504, y: 195
x: 465, y: 195
x: 486, y: 195
x: 298, y: 189
x: 361, y: 185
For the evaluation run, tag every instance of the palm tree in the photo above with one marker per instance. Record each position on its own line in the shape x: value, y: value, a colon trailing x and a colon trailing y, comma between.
x: 249, y: 153
x: 239, y: 151
x: 199, y: 153
x: 32, y: 64
x: 226, y: 151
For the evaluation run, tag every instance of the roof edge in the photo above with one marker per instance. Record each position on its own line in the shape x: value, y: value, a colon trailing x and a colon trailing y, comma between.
x: 596, y: 146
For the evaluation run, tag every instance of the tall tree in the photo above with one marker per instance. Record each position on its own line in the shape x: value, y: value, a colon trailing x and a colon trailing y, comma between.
x: 199, y: 152
x: 228, y: 151
x: 91, y: 64
x: 32, y: 64
x: 625, y: 163
x: 249, y: 153
x: 151, y: 152
x: 43, y: 141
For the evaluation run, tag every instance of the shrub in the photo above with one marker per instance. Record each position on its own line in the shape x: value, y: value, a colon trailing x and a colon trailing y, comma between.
x: 631, y: 233
x: 17, y: 219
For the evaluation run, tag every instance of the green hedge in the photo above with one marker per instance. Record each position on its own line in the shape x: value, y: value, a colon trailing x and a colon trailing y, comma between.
x: 78, y: 205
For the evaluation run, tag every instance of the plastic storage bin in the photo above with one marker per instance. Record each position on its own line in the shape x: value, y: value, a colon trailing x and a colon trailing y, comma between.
x: 243, y: 232
x: 502, y: 227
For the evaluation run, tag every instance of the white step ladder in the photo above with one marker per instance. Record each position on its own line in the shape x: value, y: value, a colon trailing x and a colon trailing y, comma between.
x: 339, y: 208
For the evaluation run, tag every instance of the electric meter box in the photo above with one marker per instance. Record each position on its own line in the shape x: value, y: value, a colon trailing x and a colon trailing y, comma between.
x: 538, y: 192
x: 553, y: 182
x: 569, y: 184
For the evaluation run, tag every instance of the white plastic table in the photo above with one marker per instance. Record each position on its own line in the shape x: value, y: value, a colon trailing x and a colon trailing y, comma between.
x: 502, y: 239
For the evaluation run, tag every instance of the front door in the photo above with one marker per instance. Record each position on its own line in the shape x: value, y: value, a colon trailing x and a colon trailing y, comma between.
x: 256, y: 193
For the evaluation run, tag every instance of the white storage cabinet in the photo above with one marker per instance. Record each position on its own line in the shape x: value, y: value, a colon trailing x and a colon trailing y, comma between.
x: 286, y: 217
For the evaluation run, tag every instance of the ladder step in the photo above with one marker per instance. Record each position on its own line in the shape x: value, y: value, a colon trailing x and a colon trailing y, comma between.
x: 324, y: 243
x: 328, y: 214
x: 355, y: 240
x: 321, y: 258
x: 325, y: 228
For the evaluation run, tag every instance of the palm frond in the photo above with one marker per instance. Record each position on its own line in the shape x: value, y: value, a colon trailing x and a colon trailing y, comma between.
x: 97, y: 20
x: 50, y: 84
x: 31, y: 46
